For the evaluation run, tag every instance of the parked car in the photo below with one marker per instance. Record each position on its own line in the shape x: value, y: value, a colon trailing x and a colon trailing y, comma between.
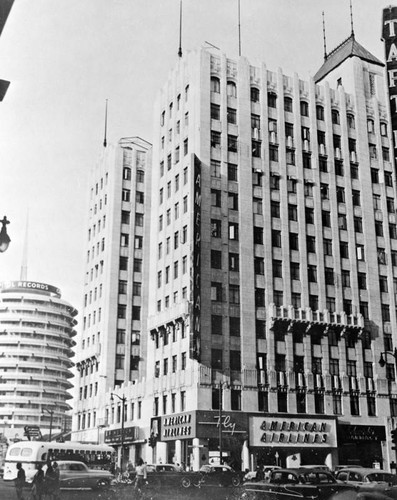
x: 372, y: 483
x: 75, y: 474
x: 217, y: 475
x: 159, y: 475
x: 289, y: 484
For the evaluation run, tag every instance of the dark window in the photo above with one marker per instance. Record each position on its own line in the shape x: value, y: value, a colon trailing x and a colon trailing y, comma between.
x: 216, y: 259
x: 234, y: 327
x: 216, y: 325
x: 255, y: 94
x: 272, y: 100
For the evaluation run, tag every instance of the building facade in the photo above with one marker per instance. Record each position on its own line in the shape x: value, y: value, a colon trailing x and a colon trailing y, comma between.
x: 36, y: 340
x: 114, y: 308
x: 271, y: 312
x: 273, y: 248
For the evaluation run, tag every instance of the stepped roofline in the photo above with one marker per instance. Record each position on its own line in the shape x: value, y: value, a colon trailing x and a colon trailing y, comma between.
x: 348, y: 48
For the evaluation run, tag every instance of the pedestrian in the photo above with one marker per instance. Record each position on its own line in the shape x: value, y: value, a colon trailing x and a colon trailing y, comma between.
x: 49, y: 481
x: 57, y: 486
x: 38, y: 484
x: 20, y: 481
x: 259, y: 473
x: 141, y: 474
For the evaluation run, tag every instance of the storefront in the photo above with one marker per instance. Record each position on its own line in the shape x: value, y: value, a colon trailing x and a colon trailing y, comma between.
x: 292, y: 441
x: 132, y: 443
x: 361, y: 445
x: 192, y: 438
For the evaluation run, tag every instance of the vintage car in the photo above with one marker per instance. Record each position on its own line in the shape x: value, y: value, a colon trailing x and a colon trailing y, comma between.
x: 75, y: 474
x: 372, y: 483
x: 289, y: 484
x: 217, y: 475
x: 159, y: 475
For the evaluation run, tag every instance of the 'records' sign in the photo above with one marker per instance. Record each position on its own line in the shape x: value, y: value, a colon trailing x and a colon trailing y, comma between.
x: 31, y: 285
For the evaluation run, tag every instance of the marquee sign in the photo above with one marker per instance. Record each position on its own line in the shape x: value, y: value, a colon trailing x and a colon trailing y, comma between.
x: 389, y: 37
x: 292, y: 432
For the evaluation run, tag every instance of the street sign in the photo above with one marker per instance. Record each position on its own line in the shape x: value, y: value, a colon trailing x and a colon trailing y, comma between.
x: 32, y: 431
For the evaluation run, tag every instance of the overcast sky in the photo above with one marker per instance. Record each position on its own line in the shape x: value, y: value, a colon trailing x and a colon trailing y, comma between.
x: 65, y: 57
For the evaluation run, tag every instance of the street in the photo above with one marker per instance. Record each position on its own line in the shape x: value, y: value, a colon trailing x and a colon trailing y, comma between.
x: 7, y: 491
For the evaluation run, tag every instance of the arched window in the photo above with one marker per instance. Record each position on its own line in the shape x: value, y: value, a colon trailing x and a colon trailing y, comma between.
x: 272, y: 100
x: 335, y: 116
x: 319, y: 112
x: 215, y: 84
x: 255, y: 94
x: 288, y: 104
x: 304, y: 108
x: 231, y: 89
x: 351, y: 122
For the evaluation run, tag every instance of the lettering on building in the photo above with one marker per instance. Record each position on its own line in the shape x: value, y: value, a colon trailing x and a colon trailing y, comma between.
x: 389, y: 37
x: 195, y: 334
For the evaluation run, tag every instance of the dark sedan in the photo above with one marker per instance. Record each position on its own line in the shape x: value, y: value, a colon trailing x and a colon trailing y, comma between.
x: 290, y: 484
x: 218, y: 475
x: 163, y: 475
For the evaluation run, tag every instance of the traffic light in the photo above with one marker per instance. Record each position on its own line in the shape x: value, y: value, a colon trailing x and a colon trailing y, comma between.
x: 394, y: 439
x: 152, y: 441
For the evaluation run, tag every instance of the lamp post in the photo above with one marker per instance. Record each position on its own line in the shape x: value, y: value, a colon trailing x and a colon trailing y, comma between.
x: 220, y: 423
x: 4, y: 238
x: 382, y: 363
x: 51, y: 412
x: 123, y: 400
x: 220, y: 417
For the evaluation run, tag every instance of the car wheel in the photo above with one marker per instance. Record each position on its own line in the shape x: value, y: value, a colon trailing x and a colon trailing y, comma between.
x: 236, y: 481
x: 186, y: 482
x: 102, y: 483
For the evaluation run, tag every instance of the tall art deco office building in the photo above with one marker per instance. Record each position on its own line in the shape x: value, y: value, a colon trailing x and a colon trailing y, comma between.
x: 273, y: 251
x: 109, y: 347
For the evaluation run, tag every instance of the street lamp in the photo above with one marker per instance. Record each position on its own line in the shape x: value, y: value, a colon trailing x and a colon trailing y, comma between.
x: 382, y: 361
x: 51, y: 412
x: 123, y: 400
x: 4, y: 238
x: 221, y: 384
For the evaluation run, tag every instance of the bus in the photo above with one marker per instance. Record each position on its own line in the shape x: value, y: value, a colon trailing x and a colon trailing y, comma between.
x: 32, y: 453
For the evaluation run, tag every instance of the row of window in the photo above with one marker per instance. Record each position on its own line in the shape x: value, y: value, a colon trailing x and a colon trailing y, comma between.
x: 99, y: 185
x: 176, y: 299
x: 319, y: 403
x: 171, y: 105
x: 167, y: 272
x: 173, y: 368
x: 92, y: 232
x: 172, y: 409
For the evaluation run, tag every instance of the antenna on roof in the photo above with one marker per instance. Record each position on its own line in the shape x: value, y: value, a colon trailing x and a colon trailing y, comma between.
x: 239, y: 30
x: 105, y: 143
x: 180, y: 29
x: 324, y: 38
x: 24, y: 265
x: 351, y: 18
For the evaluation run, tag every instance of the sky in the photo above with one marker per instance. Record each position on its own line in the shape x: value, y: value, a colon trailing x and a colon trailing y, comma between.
x: 64, y: 58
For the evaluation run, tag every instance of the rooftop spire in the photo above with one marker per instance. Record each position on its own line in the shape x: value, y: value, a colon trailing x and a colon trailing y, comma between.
x: 239, y: 29
x: 24, y: 265
x: 105, y: 143
x: 324, y: 38
x: 180, y: 29
x: 351, y: 18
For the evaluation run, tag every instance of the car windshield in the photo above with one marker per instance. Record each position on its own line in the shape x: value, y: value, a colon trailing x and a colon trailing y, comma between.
x: 381, y: 477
